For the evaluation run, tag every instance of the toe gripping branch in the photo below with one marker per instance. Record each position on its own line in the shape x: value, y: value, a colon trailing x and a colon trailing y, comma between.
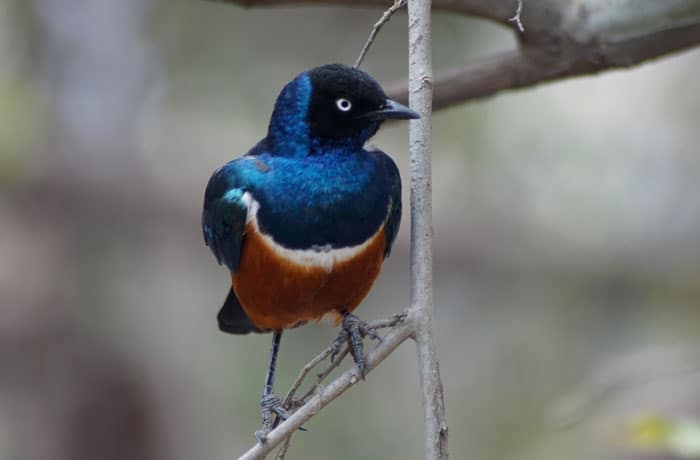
x: 273, y: 411
x: 352, y: 332
x: 270, y: 403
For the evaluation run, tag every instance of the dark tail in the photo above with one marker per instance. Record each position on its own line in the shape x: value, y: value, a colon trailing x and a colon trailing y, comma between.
x: 232, y: 318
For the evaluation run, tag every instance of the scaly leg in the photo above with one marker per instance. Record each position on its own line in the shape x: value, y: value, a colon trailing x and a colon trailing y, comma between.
x: 270, y: 403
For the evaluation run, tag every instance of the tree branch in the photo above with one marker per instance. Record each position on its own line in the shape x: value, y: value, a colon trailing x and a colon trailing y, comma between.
x: 561, y: 40
x: 290, y: 403
x: 328, y: 393
x: 420, y: 71
x: 529, y: 66
x: 496, y: 10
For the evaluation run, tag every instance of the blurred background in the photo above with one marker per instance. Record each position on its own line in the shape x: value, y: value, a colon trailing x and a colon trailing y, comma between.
x: 567, y: 240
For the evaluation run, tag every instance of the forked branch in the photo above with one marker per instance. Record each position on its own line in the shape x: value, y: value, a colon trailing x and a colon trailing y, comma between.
x: 290, y: 403
x: 327, y: 393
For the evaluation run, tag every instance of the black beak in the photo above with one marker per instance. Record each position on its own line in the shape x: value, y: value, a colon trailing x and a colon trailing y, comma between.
x: 392, y: 110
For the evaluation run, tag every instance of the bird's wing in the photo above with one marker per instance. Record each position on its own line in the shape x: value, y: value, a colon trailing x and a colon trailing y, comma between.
x: 394, y: 218
x: 225, y: 213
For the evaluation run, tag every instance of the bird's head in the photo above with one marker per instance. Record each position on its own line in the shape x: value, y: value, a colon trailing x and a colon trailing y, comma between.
x: 330, y: 105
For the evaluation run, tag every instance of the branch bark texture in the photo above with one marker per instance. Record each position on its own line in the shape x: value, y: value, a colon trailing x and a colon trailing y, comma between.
x: 561, y: 39
x: 420, y: 70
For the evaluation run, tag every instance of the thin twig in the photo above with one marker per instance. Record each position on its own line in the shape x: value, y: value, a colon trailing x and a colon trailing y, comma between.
x: 321, y: 376
x: 377, y: 324
x: 388, y: 322
x: 516, y: 18
x: 302, y: 375
x: 328, y: 393
x: 398, y: 4
x: 288, y: 401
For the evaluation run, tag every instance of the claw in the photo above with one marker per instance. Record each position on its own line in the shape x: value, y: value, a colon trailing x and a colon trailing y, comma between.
x: 368, y: 331
x: 271, y: 405
x: 338, y: 343
x: 353, y: 331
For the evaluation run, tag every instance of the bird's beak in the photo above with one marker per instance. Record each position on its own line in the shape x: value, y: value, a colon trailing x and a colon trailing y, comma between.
x: 392, y: 110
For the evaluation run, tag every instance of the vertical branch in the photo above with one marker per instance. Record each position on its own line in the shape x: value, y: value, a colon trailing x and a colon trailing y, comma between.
x: 421, y: 312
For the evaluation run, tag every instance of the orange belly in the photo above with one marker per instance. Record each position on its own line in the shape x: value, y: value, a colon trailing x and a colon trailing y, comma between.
x: 277, y: 293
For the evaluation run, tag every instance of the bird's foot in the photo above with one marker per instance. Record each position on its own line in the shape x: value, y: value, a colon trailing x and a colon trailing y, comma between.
x: 352, y: 332
x: 271, y: 406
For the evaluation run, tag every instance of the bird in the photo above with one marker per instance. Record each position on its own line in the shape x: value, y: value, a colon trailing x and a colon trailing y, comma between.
x: 304, y: 220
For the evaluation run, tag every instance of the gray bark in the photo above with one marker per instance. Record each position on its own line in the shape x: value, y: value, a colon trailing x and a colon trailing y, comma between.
x: 420, y: 70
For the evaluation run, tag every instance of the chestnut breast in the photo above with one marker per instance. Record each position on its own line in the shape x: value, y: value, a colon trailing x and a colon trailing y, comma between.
x: 281, y: 288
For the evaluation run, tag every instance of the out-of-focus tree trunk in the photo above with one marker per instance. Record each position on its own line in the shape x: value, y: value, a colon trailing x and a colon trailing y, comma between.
x: 72, y: 395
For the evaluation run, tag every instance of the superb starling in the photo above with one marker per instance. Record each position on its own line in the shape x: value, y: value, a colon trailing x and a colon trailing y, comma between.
x: 304, y: 220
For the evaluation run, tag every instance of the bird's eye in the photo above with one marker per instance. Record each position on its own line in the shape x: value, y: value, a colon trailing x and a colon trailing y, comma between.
x: 343, y: 104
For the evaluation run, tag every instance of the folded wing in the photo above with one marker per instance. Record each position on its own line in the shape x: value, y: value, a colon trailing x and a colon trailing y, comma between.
x: 224, y: 216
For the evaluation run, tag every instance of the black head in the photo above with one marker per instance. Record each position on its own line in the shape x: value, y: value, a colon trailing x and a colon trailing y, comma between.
x: 346, y: 103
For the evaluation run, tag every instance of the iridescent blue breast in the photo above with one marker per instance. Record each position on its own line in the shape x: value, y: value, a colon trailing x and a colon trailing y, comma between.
x: 321, y: 201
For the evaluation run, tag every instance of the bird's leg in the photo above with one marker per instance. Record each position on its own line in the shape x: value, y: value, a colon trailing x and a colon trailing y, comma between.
x: 353, y: 331
x: 270, y: 403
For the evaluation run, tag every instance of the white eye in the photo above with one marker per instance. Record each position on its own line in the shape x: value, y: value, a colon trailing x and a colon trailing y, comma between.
x: 343, y: 104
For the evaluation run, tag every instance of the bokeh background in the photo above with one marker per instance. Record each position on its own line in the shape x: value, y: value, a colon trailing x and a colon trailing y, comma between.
x: 567, y: 241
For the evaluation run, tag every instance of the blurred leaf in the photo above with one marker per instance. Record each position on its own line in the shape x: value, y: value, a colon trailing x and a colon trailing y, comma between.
x: 649, y: 431
x: 680, y: 437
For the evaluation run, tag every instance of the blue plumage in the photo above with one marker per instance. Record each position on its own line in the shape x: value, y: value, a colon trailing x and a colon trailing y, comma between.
x: 336, y: 199
x: 288, y: 133
x: 224, y: 217
x: 304, y: 220
x: 314, y: 192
